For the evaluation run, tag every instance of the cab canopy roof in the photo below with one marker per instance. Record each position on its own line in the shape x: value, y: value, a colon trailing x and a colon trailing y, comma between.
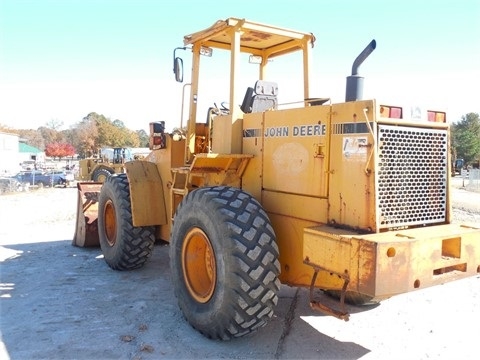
x: 255, y: 38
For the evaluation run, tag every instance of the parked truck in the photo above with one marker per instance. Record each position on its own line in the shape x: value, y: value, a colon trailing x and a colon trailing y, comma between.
x: 40, y: 178
x: 351, y: 198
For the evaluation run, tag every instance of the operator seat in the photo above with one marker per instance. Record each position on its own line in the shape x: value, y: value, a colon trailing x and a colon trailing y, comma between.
x: 261, y: 98
x: 246, y: 106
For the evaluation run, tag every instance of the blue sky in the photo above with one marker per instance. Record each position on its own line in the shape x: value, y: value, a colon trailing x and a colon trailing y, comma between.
x: 60, y: 60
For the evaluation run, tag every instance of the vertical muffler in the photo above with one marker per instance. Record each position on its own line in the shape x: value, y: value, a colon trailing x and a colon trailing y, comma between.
x: 354, y: 89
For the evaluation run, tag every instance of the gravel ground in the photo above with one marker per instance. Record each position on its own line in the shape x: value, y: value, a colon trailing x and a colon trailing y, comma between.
x: 62, y: 302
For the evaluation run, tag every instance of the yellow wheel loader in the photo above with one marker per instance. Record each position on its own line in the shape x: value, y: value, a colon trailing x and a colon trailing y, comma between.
x: 350, y: 198
x: 99, y: 168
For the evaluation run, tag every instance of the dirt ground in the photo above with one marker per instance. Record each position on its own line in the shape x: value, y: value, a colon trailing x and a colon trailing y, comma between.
x: 63, y: 302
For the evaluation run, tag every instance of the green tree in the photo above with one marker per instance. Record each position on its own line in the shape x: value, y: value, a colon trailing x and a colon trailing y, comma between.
x: 143, y: 138
x: 466, y: 138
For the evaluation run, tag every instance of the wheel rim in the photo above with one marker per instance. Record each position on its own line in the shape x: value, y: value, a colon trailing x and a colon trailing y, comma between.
x: 110, y: 223
x: 101, y: 178
x: 199, y: 266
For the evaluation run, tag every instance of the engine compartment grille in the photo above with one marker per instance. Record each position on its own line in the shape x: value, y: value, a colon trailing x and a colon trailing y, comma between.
x: 412, y: 176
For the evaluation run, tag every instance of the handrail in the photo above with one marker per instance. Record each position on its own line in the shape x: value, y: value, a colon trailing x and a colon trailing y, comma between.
x: 365, y: 110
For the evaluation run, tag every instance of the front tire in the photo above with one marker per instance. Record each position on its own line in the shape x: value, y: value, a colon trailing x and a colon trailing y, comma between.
x: 224, y: 262
x: 101, y: 175
x: 124, y: 246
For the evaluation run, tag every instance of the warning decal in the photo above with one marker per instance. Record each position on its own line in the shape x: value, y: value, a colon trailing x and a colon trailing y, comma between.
x: 355, y: 148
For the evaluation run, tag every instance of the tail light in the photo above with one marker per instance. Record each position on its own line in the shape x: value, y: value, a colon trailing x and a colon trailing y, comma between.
x: 437, y: 116
x: 392, y: 112
x: 157, y: 135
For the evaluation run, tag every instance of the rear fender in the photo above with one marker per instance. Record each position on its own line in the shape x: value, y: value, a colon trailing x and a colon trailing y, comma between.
x: 147, y: 196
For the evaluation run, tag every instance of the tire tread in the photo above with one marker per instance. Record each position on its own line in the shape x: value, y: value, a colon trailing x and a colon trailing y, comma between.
x: 136, y: 243
x: 255, y: 257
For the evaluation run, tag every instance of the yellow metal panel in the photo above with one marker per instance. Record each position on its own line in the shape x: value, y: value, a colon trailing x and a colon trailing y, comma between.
x: 210, y: 164
x: 288, y: 231
x: 337, y: 253
x: 334, y: 251
x: 385, y: 264
x: 352, y: 179
x: 146, y: 194
x: 222, y: 135
x: 166, y: 159
x: 217, y: 163
x: 227, y: 135
x: 296, y: 150
x: 253, y: 144
x: 256, y: 38
x: 296, y: 206
x: 431, y: 255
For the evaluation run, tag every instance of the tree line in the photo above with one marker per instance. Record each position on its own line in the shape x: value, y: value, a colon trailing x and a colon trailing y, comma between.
x: 466, y: 140
x: 83, y: 139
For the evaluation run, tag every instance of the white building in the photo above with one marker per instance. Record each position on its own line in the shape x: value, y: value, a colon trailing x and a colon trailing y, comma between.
x: 14, y: 154
x: 9, y: 154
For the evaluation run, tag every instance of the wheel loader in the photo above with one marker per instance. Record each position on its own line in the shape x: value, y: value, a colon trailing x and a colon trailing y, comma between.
x: 349, y: 198
x: 99, y: 168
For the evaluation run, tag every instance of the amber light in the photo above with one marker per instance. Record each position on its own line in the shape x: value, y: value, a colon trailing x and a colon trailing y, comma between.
x: 437, y: 116
x: 392, y: 112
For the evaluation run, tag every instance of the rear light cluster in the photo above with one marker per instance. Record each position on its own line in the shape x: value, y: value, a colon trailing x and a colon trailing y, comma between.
x: 437, y: 116
x: 392, y: 112
x: 396, y: 112
x: 157, y: 135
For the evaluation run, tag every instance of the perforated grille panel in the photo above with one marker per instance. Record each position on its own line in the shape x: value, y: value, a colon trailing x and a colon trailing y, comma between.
x: 412, y: 176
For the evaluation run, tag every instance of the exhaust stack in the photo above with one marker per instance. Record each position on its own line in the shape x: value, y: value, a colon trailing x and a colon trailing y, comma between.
x: 354, y: 89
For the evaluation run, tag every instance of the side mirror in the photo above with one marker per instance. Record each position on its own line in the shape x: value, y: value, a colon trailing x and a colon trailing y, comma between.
x: 178, y: 65
x: 178, y: 69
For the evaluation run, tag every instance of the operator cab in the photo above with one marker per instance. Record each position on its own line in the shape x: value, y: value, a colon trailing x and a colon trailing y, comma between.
x: 261, y: 43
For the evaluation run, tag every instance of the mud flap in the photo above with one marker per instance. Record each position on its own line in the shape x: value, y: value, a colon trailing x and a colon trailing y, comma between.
x: 86, y: 229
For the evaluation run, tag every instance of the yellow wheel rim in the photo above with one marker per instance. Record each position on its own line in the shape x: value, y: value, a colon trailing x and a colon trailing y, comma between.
x: 110, y: 223
x: 199, y: 267
x: 101, y: 178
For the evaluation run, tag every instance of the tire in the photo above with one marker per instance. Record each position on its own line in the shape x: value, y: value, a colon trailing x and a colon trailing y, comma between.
x: 224, y: 262
x: 100, y: 175
x: 124, y: 246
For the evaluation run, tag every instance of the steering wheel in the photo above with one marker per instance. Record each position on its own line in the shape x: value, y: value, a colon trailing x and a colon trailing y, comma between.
x: 223, y: 107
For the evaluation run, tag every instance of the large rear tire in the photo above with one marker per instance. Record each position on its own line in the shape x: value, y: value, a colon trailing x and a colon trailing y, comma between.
x: 224, y: 262
x: 124, y: 246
